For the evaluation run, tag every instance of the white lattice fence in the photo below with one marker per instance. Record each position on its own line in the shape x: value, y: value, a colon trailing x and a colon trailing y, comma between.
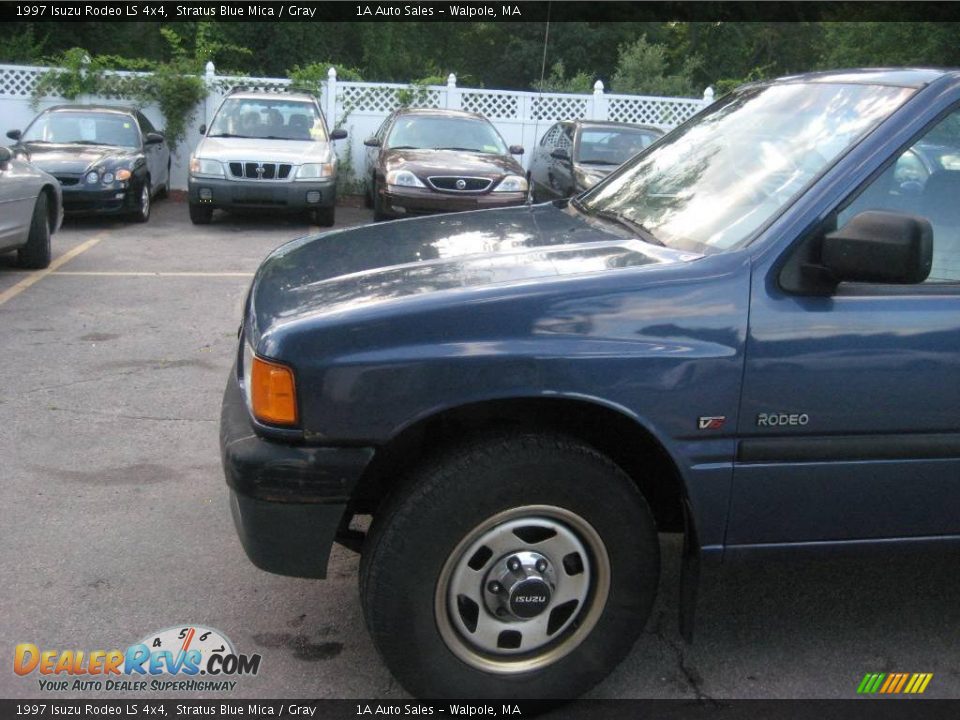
x: 19, y: 80
x: 490, y: 104
x: 560, y: 107
x: 663, y: 112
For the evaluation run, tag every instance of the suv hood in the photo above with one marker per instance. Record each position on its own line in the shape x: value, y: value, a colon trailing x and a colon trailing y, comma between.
x: 295, y: 152
x: 376, y: 264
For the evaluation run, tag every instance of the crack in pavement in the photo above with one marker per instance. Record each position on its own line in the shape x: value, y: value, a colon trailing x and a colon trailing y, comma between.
x: 115, y: 416
x: 688, y: 672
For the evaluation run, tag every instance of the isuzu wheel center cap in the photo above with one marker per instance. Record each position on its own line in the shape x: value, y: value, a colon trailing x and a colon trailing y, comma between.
x: 529, y: 598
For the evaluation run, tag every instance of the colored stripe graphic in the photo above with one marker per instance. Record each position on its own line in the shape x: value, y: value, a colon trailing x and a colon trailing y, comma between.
x: 894, y: 683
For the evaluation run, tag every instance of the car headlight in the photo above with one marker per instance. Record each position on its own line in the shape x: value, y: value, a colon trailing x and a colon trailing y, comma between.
x: 204, y: 167
x: 107, y: 178
x: 512, y: 183
x: 316, y: 171
x: 403, y: 178
x: 92, y: 177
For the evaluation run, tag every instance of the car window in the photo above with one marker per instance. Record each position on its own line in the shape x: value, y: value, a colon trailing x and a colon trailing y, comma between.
x: 611, y: 146
x: 88, y: 128
x: 145, y: 125
x: 268, y: 118
x: 440, y: 132
x: 550, y: 137
x: 924, y: 180
x: 711, y: 184
x: 381, y: 131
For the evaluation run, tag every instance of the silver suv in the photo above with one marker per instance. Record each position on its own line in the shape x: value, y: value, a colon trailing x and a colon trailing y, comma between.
x: 265, y: 151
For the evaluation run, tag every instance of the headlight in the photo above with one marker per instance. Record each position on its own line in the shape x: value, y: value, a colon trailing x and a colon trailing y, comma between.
x: 107, y: 178
x: 209, y: 168
x: 512, y: 183
x: 92, y: 177
x: 403, y: 178
x: 316, y: 171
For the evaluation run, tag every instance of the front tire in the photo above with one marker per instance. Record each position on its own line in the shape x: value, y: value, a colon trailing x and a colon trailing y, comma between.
x: 142, y: 213
x: 378, y: 211
x: 200, y: 214
x: 325, y: 216
x: 516, y: 566
x: 35, y: 255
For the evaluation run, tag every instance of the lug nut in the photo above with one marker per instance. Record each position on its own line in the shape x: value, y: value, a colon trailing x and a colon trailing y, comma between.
x: 541, y: 565
x: 513, y: 564
x: 495, y: 587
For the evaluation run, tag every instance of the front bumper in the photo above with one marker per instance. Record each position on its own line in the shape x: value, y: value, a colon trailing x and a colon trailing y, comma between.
x: 238, y: 194
x: 403, y: 202
x: 287, y: 500
x: 81, y: 199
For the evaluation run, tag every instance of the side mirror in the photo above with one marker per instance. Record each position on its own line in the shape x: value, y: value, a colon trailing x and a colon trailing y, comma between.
x: 516, y: 149
x: 338, y: 134
x: 14, y: 134
x: 153, y: 138
x: 5, y: 156
x: 560, y: 154
x: 372, y: 142
x: 203, y: 129
x: 879, y: 247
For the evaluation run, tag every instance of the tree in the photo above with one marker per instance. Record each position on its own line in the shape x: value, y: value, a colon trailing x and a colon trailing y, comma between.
x: 643, y: 69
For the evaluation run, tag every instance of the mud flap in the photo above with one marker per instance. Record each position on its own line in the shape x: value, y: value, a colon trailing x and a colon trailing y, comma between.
x: 689, y: 575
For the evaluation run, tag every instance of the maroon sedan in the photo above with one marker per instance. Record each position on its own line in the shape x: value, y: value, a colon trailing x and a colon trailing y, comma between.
x: 428, y: 161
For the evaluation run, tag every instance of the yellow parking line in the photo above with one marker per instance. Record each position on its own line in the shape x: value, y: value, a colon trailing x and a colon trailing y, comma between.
x: 39, y: 275
x: 123, y: 273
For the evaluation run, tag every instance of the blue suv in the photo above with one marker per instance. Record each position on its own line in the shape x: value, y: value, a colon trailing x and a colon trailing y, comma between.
x: 749, y: 333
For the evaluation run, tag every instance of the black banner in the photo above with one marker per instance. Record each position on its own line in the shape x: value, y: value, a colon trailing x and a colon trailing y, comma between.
x: 474, y: 11
x: 864, y: 709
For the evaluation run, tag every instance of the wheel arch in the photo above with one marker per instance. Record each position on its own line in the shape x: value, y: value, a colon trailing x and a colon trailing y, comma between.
x: 613, y: 432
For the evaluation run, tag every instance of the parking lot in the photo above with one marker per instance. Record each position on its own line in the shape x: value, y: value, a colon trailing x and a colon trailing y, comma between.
x: 116, y: 524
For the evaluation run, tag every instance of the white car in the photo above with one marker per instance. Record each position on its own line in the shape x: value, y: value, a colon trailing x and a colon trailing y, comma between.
x: 265, y: 151
x: 31, y: 210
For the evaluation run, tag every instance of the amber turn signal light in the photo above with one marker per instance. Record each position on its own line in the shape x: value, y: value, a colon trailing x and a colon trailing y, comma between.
x: 273, y: 395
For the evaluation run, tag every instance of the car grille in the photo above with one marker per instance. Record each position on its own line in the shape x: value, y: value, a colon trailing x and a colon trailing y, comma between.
x: 67, y: 179
x: 260, y: 171
x: 454, y: 183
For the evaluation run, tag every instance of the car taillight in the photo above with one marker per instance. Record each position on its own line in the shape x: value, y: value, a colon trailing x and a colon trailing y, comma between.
x: 273, y: 396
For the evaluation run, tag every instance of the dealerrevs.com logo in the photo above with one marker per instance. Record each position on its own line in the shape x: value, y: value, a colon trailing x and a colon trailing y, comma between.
x: 183, y: 659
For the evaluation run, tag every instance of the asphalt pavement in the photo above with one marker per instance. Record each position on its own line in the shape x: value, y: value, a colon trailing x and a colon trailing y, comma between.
x: 115, y: 522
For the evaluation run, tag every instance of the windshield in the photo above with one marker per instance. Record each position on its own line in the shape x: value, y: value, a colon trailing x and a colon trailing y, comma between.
x: 715, y: 182
x: 450, y: 133
x: 268, y: 118
x: 85, y: 128
x: 611, y: 146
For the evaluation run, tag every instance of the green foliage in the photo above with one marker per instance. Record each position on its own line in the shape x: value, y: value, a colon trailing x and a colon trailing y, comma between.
x: 643, y: 68
x: 557, y: 81
x: 725, y: 85
x: 418, y: 92
x: 22, y: 46
x: 309, y: 78
x: 853, y: 44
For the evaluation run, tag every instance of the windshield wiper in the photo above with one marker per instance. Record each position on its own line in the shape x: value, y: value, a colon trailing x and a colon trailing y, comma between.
x: 247, y: 137
x: 632, y: 225
x: 406, y: 147
x: 462, y: 149
x: 90, y: 142
x: 598, y: 162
